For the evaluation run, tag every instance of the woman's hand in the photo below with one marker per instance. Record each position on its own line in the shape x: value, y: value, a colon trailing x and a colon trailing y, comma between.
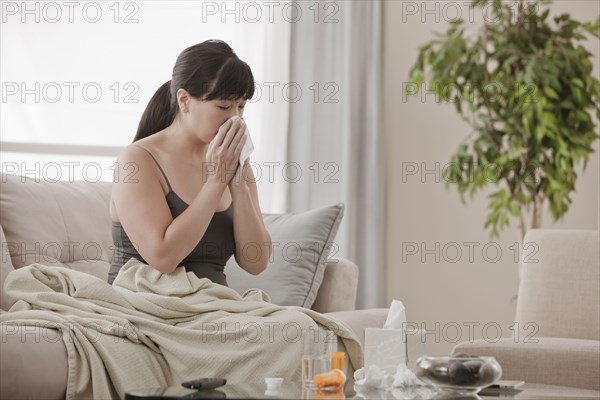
x: 224, y: 151
x: 239, y: 182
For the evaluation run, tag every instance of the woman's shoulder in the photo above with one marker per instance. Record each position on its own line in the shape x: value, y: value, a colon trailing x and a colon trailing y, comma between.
x: 138, y: 150
x: 140, y: 161
x: 134, y: 158
x: 131, y: 154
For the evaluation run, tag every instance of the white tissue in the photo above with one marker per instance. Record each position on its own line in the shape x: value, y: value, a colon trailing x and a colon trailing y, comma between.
x: 405, y: 377
x: 375, y: 377
x: 247, y: 149
x: 248, y: 146
x: 396, y: 318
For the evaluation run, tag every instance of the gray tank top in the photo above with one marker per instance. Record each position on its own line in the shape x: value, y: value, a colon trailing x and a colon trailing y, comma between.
x: 207, y: 259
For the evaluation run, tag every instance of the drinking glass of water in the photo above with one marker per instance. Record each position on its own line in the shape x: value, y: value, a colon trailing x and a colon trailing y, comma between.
x: 318, y: 347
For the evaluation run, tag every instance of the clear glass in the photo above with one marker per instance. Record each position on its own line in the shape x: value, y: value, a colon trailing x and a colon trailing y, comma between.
x: 318, y: 347
x: 466, y: 375
x: 312, y: 366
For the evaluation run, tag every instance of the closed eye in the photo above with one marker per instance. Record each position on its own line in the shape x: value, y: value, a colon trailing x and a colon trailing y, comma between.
x: 227, y: 108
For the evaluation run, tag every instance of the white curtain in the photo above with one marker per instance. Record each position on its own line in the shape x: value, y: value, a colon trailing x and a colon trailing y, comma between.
x: 266, y: 48
x: 335, y: 132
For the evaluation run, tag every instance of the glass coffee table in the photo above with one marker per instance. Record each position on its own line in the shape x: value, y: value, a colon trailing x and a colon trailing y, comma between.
x: 292, y: 390
x: 288, y: 390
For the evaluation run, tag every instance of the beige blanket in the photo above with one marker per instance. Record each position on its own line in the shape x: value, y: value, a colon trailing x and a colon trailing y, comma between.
x: 150, y: 329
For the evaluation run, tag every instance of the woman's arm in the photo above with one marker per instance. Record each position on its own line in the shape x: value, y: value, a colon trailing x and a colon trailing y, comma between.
x: 253, y: 242
x: 144, y: 214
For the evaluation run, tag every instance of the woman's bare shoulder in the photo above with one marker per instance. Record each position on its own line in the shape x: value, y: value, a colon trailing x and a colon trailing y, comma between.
x: 133, y: 165
x: 139, y: 150
x: 135, y: 159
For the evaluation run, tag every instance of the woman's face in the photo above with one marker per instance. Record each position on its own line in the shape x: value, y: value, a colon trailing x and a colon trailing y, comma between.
x: 204, y: 118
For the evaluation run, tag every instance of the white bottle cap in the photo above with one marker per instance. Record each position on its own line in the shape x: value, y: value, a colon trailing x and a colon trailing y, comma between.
x: 273, y: 382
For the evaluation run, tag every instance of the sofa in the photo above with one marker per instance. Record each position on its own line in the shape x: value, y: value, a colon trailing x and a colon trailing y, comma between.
x: 51, y: 222
x: 557, y: 340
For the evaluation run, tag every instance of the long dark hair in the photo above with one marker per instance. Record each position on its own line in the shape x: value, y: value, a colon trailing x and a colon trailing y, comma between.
x: 209, y: 70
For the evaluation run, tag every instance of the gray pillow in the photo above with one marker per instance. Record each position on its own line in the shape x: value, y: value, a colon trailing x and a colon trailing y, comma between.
x: 301, y: 245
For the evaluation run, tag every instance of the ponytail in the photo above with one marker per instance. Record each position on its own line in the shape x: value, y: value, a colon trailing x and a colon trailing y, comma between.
x: 159, y: 114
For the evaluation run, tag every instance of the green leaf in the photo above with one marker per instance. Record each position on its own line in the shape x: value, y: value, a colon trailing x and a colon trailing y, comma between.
x: 548, y: 91
x: 538, y: 133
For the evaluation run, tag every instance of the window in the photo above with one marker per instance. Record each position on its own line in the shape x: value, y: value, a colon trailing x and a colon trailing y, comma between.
x: 76, y: 77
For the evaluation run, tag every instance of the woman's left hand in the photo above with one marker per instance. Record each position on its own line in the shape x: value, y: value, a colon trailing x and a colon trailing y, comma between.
x: 239, y: 181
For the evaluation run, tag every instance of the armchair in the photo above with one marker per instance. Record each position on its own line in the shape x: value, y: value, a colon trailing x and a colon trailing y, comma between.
x: 558, y: 313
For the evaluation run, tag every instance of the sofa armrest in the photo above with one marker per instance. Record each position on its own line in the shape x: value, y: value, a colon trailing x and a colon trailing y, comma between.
x: 6, y: 267
x: 550, y: 361
x: 339, y: 287
x: 358, y: 320
x: 33, y: 364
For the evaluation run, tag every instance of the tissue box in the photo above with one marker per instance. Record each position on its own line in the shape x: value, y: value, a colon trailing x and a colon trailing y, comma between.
x: 387, y: 348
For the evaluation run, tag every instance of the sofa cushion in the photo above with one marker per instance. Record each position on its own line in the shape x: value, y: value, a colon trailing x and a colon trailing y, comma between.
x: 301, y: 245
x: 57, y: 223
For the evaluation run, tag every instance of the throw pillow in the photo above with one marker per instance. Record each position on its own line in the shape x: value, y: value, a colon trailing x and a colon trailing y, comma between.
x: 301, y: 245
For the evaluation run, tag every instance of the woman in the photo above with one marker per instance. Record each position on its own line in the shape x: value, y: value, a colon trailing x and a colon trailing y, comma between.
x: 180, y: 197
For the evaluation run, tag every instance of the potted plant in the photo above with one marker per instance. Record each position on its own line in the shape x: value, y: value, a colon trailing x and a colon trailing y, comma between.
x: 526, y: 88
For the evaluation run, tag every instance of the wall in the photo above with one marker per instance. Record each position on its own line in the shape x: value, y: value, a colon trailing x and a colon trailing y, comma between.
x: 455, y: 291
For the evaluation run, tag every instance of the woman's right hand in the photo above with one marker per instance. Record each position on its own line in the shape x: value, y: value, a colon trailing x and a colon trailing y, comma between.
x: 223, y: 154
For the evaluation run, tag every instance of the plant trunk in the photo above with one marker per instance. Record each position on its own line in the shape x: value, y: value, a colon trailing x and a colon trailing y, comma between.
x: 536, y: 216
x: 522, y: 231
x: 522, y: 225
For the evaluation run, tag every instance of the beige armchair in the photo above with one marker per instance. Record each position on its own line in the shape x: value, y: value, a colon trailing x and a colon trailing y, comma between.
x: 558, y: 312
